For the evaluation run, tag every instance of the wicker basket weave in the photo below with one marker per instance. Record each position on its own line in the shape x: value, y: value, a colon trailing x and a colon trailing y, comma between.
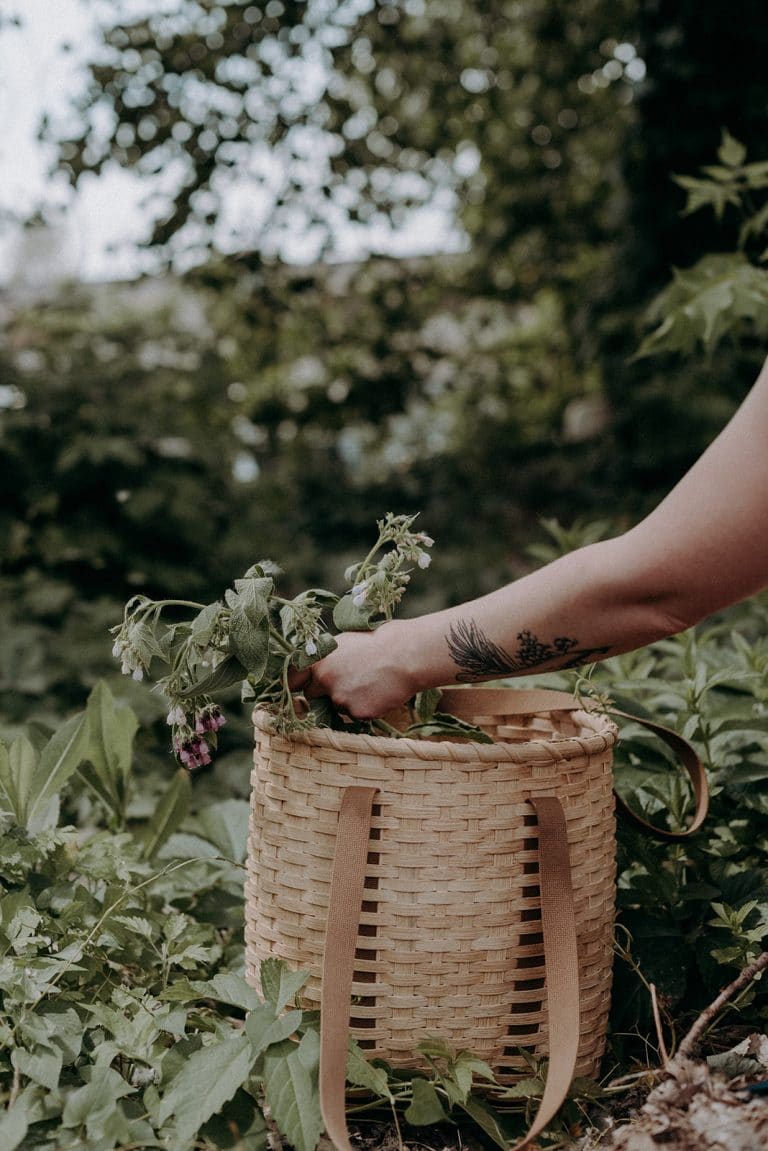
x: 450, y: 939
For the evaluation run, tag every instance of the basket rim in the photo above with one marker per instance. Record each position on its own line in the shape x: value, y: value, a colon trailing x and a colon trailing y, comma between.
x: 604, y: 734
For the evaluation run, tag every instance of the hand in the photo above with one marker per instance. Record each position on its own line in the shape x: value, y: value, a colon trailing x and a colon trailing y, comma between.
x: 365, y: 676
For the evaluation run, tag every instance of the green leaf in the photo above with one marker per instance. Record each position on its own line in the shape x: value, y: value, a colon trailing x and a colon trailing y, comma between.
x: 239, y: 1126
x: 361, y: 1073
x: 279, y: 984
x: 291, y: 1093
x: 325, y: 645
x: 110, y: 733
x: 204, y: 624
x: 206, y: 1081
x: 252, y: 597
x: 249, y: 642
x: 425, y: 1107
x: 17, y: 771
x: 43, y: 1065
x: 225, y: 674
x: 731, y: 152
x: 348, y: 617
x: 486, y: 1119
x: 705, y: 301
x: 264, y: 1028
x: 443, y: 724
x: 225, y: 824
x: 707, y: 194
x: 425, y: 704
x: 227, y: 987
x: 13, y: 1126
x: 59, y: 760
x: 95, y: 1103
x: 168, y: 814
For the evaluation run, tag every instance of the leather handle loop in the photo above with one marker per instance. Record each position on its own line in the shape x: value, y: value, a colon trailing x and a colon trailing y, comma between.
x: 558, y: 922
x: 469, y: 702
x: 696, y: 773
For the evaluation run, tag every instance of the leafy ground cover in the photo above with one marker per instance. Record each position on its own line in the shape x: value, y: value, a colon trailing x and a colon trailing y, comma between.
x: 126, y: 1021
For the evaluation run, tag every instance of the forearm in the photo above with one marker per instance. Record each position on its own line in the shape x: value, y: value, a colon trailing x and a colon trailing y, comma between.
x: 701, y: 549
x: 583, y: 607
x: 595, y: 602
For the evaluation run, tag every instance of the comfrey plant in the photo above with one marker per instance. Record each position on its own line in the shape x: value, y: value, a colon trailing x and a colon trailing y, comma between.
x: 256, y: 637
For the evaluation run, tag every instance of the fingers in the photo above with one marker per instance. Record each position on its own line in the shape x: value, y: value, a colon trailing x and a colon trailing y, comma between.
x: 298, y: 679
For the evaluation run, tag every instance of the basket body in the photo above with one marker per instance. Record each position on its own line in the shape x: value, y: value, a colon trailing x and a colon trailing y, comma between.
x: 449, y: 942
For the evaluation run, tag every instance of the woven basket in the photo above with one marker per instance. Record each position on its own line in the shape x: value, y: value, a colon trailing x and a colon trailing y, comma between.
x: 450, y: 940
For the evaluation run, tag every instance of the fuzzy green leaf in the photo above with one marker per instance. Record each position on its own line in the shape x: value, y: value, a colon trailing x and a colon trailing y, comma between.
x: 279, y: 984
x: 250, y: 599
x: 17, y: 771
x: 204, y: 624
x: 109, y: 752
x: 206, y: 1081
x: 13, y: 1126
x: 361, y: 1073
x: 425, y: 704
x: 425, y: 1107
x: 249, y: 642
x: 225, y: 674
x: 59, y: 760
x: 291, y: 1092
x: 486, y: 1119
x: 225, y: 824
x: 168, y: 814
x: 325, y: 645
x: 264, y: 1028
x: 348, y: 617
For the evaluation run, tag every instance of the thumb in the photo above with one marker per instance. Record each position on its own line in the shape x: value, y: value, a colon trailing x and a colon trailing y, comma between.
x: 298, y: 678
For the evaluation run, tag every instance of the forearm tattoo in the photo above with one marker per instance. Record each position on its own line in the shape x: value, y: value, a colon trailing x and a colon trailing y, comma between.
x: 478, y: 657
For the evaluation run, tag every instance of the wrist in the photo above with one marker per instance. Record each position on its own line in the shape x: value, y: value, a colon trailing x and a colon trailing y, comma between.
x: 407, y: 644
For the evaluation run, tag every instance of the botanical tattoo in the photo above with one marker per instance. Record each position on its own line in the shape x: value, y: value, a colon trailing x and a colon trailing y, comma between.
x: 479, y: 657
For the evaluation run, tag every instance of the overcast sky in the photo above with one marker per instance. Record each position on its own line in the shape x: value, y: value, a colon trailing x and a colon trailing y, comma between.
x: 99, y: 226
x: 40, y: 70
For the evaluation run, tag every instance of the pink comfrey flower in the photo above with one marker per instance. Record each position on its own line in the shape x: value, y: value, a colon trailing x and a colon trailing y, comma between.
x: 209, y: 719
x: 193, y: 753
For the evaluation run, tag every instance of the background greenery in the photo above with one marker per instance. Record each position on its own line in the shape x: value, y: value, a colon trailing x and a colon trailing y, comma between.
x: 161, y: 436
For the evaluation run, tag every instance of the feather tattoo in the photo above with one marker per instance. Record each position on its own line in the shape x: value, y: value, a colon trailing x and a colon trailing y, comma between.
x: 478, y: 657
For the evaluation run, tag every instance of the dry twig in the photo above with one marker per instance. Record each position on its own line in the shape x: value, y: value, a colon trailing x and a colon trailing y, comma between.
x: 708, y: 1014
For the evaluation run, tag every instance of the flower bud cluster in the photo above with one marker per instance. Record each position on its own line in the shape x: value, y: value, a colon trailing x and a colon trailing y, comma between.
x: 378, y: 587
x: 302, y: 623
x: 130, y: 661
x: 194, y: 734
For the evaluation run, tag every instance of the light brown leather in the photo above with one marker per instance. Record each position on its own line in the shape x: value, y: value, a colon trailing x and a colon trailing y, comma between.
x: 560, y: 959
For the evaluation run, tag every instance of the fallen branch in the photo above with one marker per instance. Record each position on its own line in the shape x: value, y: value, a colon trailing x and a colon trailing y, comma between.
x: 708, y: 1014
x: 657, y: 1020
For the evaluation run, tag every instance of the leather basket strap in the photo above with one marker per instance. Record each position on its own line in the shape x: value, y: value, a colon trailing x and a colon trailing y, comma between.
x: 560, y: 958
x: 561, y: 962
x: 469, y: 702
x: 344, y: 907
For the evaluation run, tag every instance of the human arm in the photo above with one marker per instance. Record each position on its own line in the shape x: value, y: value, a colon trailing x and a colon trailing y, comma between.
x: 704, y: 547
